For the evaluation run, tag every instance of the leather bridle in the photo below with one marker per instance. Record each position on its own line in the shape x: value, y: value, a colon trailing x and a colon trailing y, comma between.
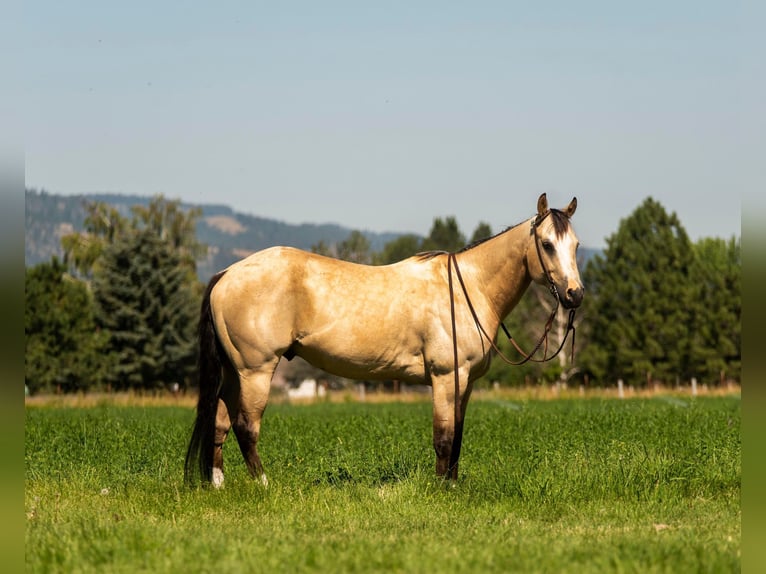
x: 527, y: 357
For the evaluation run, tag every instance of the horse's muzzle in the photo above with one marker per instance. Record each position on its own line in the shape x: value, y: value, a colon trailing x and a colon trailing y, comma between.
x: 573, y: 297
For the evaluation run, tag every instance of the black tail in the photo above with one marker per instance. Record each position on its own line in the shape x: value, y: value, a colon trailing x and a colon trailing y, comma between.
x: 199, y: 455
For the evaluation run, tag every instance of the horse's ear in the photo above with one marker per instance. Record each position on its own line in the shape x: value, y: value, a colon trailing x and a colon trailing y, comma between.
x: 569, y: 211
x: 542, y: 205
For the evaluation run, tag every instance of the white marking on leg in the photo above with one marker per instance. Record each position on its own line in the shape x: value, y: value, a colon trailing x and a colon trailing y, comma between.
x: 264, y: 480
x: 217, y: 477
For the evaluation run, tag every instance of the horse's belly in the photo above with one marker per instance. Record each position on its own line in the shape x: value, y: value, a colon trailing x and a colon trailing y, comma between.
x: 366, y: 366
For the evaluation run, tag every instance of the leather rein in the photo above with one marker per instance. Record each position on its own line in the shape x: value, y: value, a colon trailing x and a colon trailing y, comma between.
x: 543, y: 340
x: 527, y: 357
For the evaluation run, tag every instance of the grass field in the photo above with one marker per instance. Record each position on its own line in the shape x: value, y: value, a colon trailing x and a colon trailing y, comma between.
x: 639, y: 485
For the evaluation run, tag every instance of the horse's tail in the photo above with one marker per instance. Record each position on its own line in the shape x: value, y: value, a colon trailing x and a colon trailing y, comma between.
x: 199, y: 455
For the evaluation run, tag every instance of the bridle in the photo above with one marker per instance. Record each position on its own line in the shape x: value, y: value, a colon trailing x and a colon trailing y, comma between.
x: 527, y: 357
x: 549, y: 323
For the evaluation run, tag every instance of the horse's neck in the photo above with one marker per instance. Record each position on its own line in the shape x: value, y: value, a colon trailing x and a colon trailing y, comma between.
x: 498, y: 269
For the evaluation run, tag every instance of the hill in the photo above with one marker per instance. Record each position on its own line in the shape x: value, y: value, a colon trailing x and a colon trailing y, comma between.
x: 230, y: 235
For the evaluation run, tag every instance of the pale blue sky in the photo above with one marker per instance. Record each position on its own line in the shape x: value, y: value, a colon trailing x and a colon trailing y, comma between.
x: 382, y: 116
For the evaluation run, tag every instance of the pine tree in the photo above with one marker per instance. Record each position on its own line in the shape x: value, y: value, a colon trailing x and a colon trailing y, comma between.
x: 639, y: 309
x: 400, y: 248
x: 322, y: 248
x: 63, y: 346
x: 355, y: 248
x: 105, y: 226
x: 716, y: 345
x: 445, y: 235
x: 483, y: 231
x: 146, y: 303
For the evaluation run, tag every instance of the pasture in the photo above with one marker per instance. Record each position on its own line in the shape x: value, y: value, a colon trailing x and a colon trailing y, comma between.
x: 569, y: 485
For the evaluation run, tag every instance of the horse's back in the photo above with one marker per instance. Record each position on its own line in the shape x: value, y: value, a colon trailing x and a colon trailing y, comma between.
x: 297, y: 270
x: 342, y: 316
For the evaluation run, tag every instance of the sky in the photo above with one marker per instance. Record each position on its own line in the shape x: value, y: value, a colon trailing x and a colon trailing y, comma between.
x: 383, y: 116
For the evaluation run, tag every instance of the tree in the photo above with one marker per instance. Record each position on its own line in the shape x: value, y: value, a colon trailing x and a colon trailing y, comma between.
x: 145, y: 302
x: 398, y: 249
x: 104, y: 226
x: 482, y: 231
x: 173, y: 225
x: 322, y: 248
x: 638, y: 311
x: 445, y: 235
x: 63, y: 345
x: 355, y: 248
x: 717, y: 335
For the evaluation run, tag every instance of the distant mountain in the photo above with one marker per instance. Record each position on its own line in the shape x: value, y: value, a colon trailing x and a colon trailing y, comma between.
x: 229, y: 235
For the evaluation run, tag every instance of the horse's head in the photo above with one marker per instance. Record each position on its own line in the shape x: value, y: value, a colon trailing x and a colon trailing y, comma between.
x: 552, y: 255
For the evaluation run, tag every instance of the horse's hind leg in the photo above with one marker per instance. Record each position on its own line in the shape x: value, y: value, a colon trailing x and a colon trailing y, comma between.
x: 245, y: 412
x: 229, y: 388
x: 222, y: 427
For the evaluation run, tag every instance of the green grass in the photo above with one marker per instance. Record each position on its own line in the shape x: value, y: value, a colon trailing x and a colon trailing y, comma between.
x: 649, y: 485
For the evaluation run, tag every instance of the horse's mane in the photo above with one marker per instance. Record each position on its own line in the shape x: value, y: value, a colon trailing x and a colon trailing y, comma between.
x: 480, y: 241
x: 560, y: 226
x: 426, y: 255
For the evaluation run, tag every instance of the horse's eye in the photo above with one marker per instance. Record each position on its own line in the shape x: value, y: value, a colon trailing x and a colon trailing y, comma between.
x: 548, y: 246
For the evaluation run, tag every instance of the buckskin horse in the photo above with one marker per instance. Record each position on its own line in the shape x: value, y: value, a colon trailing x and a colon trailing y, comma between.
x: 430, y: 319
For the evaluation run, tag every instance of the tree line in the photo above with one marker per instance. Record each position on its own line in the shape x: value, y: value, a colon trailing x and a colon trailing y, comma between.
x: 120, y: 310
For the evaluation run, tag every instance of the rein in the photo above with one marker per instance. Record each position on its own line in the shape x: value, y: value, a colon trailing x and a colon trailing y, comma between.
x: 452, y: 262
x: 527, y: 357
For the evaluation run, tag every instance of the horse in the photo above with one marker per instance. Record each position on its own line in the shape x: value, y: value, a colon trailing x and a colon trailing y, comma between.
x: 405, y: 321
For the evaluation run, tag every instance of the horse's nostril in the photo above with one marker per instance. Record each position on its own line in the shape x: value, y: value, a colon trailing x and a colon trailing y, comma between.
x: 575, y: 295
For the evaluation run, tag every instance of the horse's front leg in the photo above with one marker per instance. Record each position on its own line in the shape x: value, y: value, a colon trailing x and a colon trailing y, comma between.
x: 449, y: 412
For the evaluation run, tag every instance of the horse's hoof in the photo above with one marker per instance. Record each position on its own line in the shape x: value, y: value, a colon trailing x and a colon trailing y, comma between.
x: 217, y: 477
